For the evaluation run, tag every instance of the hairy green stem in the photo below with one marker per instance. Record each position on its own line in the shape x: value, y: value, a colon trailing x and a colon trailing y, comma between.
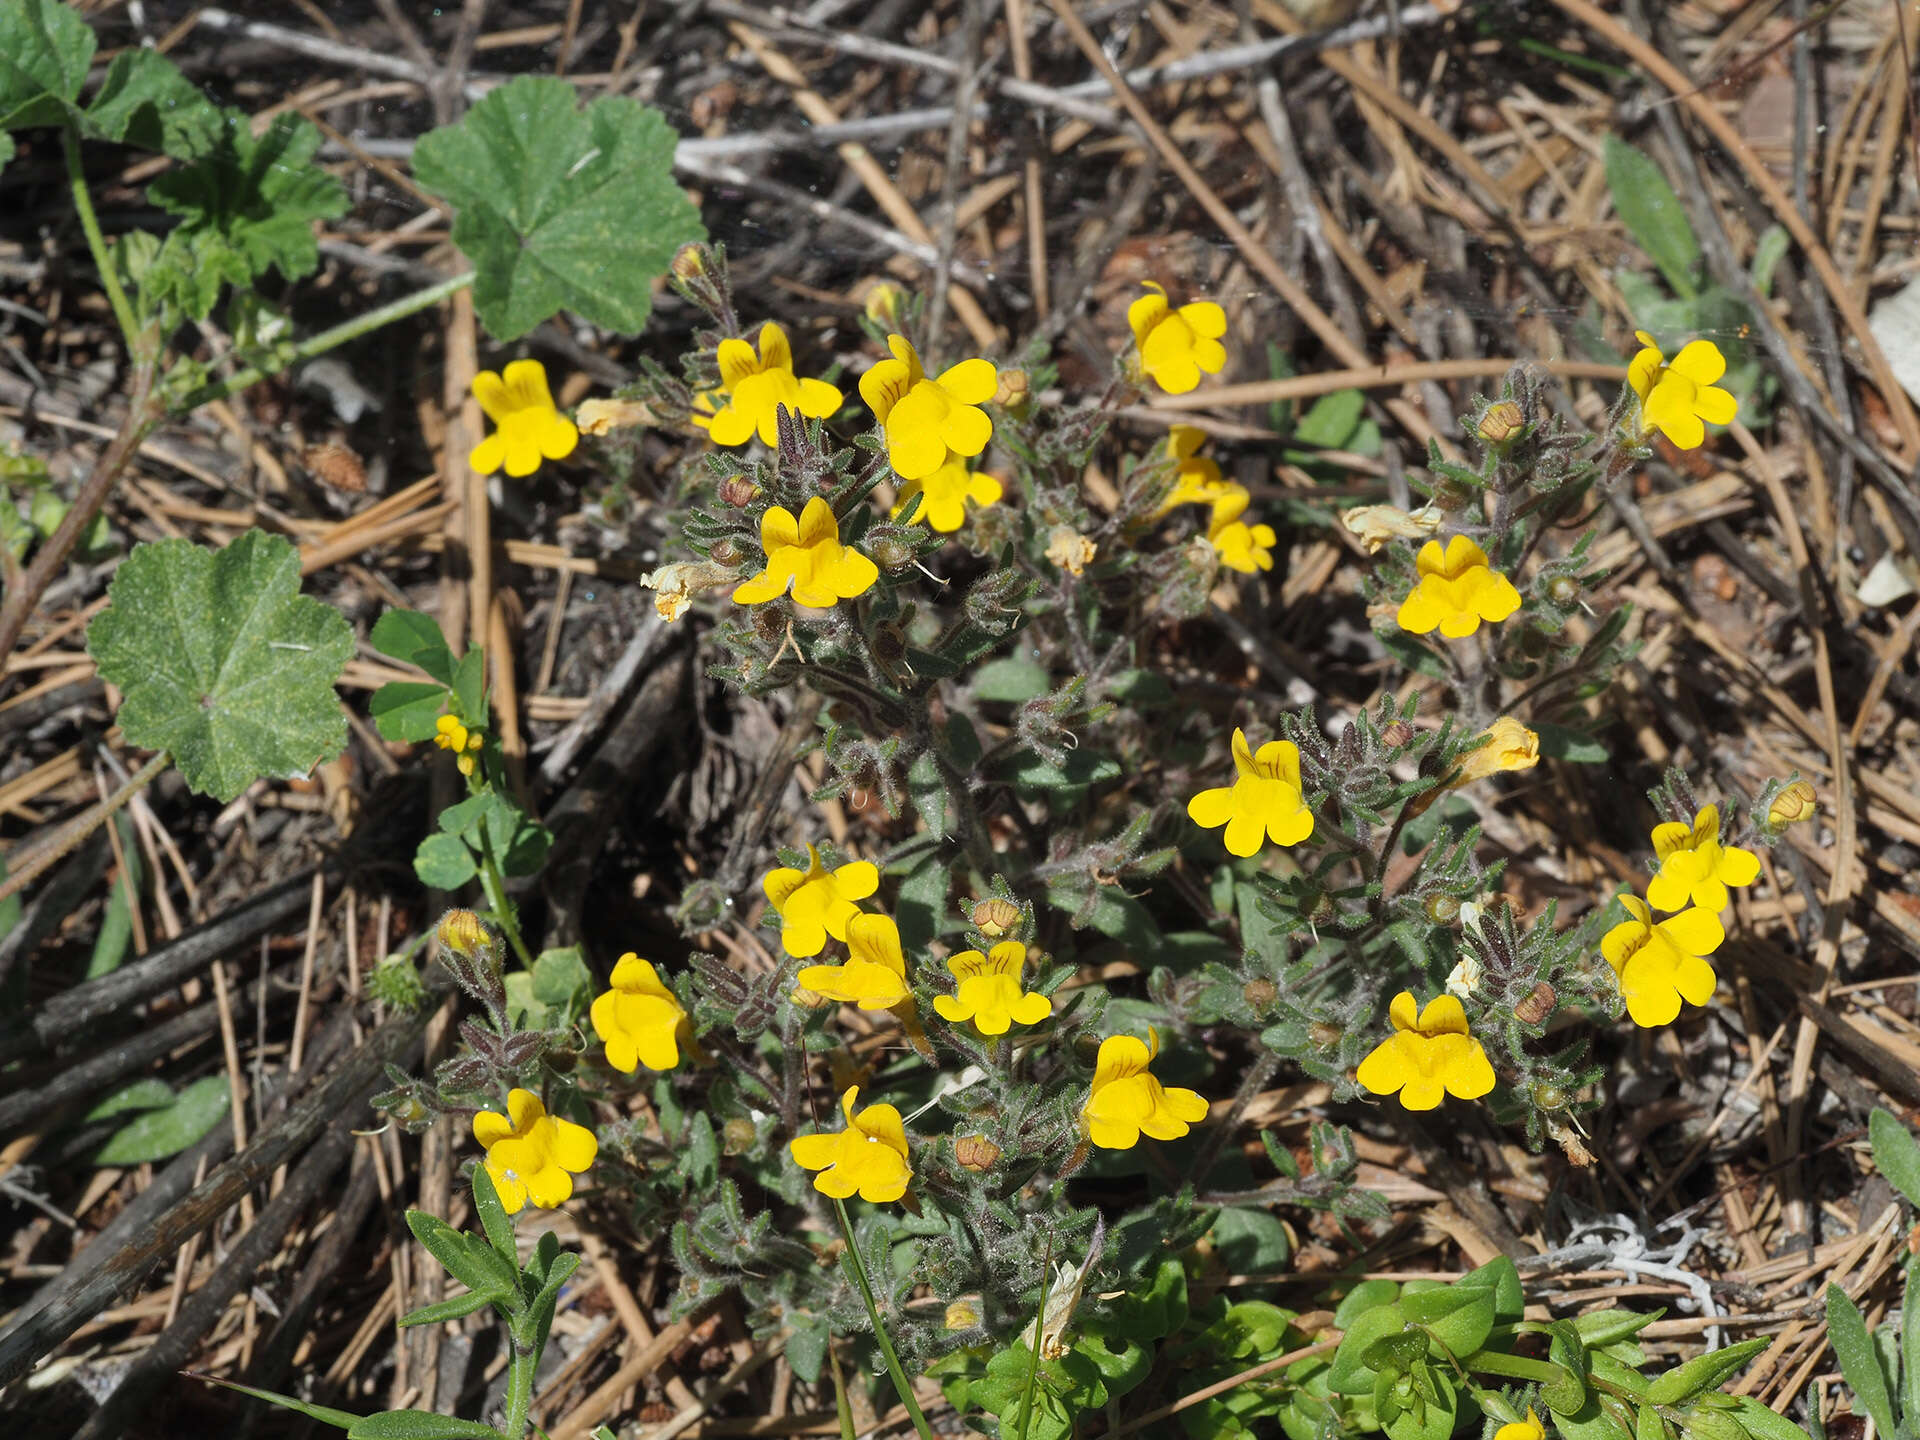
x: 520, y: 1367
x: 1039, y: 1325
x: 327, y: 340
x: 900, y: 1381
x: 97, y: 243
x: 82, y: 826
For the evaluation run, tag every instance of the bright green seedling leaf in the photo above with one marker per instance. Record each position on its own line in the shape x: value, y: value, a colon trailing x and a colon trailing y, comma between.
x: 222, y: 662
x: 519, y: 844
x: 247, y: 206
x: 1457, y: 1317
x: 45, y: 50
x: 1706, y: 1372
x: 418, y: 1425
x: 1853, y: 1348
x: 145, y: 1094
x: 166, y: 1131
x: 1897, y: 1154
x: 1251, y: 1242
x: 1650, y: 209
x: 443, y: 862
x: 408, y: 710
x: 558, y: 206
x: 414, y: 639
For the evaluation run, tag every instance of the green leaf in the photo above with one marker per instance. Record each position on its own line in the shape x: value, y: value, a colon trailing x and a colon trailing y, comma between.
x: 1351, y: 1374
x: 322, y: 1413
x: 45, y: 51
x: 115, y: 936
x: 1608, y: 1327
x: 519, y: 844
x: 1367, y: 1295
x: 418, y: 1425
x: 1502, y: 1277
x: 470, y: 686
x: 408, y: 709
x: 1853, y: 1348
x: 1897, y: 1155
x: 1910, y: 1345
x: 457, y: 1308
x: 171, y: 1129
x: 247, y: 206
x: 1332, y: 420
x: 1034, y: 775
x: 1649, y: 208
x: 1710, y: 1371
x: 1251, y: 1242
x: 1763, y: 1423
x: 144, y: 1094
x: 222, y: 662
x: 807, y: 1345
x: 559, y: 207
x: 1012, y: 679
x: 443, y: 862
x: 1560, y: 743
x: 1411, y: 653
x: 146, y: 101
x: 414, y: 639
x: 1457, y: 1317
x: 493, y: 1216
x: 469, y: 1259
x: 922, y: 902
x: 1768, y: 251
x: 559, y: 975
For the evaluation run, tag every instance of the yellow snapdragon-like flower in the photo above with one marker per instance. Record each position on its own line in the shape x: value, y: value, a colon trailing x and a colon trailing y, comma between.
x: 754, y: 387
x: 1429, y: 1055
x: 1527, y: 1429
x: 1380, y: 525
x: 1505, y: 745
x: 640, y: 1019
x: 528, y: 426
x: 1243, y: 547
x: 1127, y: 1101
x: 807, y: 555
x: 1695, y: 867
x: 815, y: 903
x: 529, y: 1152
x: 944, y: 495
x: 1659, y: 965
x: 926, y: 417
x: 1456, y: 591
x: 868, y: 1158
x: 874, y: 975
x: 1678, y: 397
x: 990, y: 992
x: 1177, y: 345
x: 464, y: 741
x: 1196, y: 478
x: 1792, y: 805
x: 1263, y: 802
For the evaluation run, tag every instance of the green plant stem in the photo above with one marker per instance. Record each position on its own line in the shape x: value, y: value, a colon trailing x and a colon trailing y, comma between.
x: 97, y: 243
x: 900, y: 1381
x: 496, y: 888
x: 1039, y: 1324
x: 327, y: 340
x: 82, y: 826
x: 520, y: 1367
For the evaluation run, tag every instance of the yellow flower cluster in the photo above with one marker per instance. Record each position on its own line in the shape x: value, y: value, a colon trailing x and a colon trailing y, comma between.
x: 463, y: 740
x: 1430, y: 1055
x: 1660, y: 963
x: 1197, y: 481
x: 529, y: 428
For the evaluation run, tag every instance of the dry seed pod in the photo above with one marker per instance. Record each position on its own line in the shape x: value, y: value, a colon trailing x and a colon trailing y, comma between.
x: 1537, y: 1005
x: 335, y: 465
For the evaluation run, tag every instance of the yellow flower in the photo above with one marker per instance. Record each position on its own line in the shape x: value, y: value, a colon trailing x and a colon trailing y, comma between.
x: 1429, y: 1055
x: 1264, y: 801
x: 868, y: 1158
x: 944, y: 493
x: 529, y: 428
x: 529, y: 1152
x: 756, y: 386
x: 924, y: 417
x: 962, y: 1315
x: 641, y: 1020
x: 818, y: 903
x: 874, y: 976
x: 1196, y: 479
x: 1660, y: 965
x: 1069, y: 549
x: 1456, y: 591
x: 990, y: 990
x: 1527, y: 1429
x: 1380, y: 525
x: 462, y: 932
x: 1792, y: 805
x: 883, y: 303
x: 1505, y: 745
x: 807, y: 554
x: 450, y: 734
x: 1677, y: 395
x: 1696, y: 867
x: 1126, y: 1101
x: 1241, y: 546
x: 1176, y: 345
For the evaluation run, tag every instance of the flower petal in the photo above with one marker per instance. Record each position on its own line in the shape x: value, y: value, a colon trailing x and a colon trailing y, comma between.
x: 737, y: 362
x: 524, y: 1108
x: 491, y: 391
x: 490, y: 1128
x: 818, y: 399
x: 816, y: 523
x: 489, y: 455
x: 884, y: 386
x: 1147, y: 312
x: 814, y: 1152
x: 966, y: 430
x: 1243, y: 834
x: 1696, y: 932
x: 856, y: 881
x: 775, y: 352
x: 1700, y: 361
x: 1206, y: 319
x: 1384, y: 1070
x: 1211, y: 809
x: 971, y: 382
x: 1737, y: 866
x: 574, y: 1146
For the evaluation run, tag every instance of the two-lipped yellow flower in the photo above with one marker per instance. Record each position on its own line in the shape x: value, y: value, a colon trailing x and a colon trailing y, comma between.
x: 817, y: 902
x: 1196, y: 478
x: 924, y: 416
x: 1695, y: 867
x: 1128, y: 1101
x: 528, y: 426
x: 874, y: 975
x: 640, y: 1019
x: 868, y: 1158
x: 1177, y: 345
x: 755, y: 386
x: 462, y: 740
x: 807, y: 555
x: 1678, y: 397
x: 944, y: 495
x: 1264, y: 801
x: 529, y: 1152
x: 1659, y: 965
x: 1430, y: 1055
x: 1243, y: 547
x: 1456, y: 591
x: 990, y: 991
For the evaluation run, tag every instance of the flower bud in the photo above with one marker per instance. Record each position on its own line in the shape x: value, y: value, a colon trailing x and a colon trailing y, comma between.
x: 1013, y: 392
x: 1260, y: 994
x: 462, y: 932
x: 738, y: 491
x: 725, y: 552
x: 1397, y: 734
x: 962, y: 1315
x: 1324, y: 1034
x: 994, y: 917
x: 883, y: 304
x: 1536, y: 1005
x: 1563, y: 591
x: 690, y: 264
x: 736, y: 1136
x: 891, y: 553
x: 1549, y: 1097
x: 1792, y: 805
x: 975, y: 1153
x: 1502, y: 422
x: 561, y: 1060
x: 1317, y: 907
x: 1086, y: 1048
x: 1442, y: 909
